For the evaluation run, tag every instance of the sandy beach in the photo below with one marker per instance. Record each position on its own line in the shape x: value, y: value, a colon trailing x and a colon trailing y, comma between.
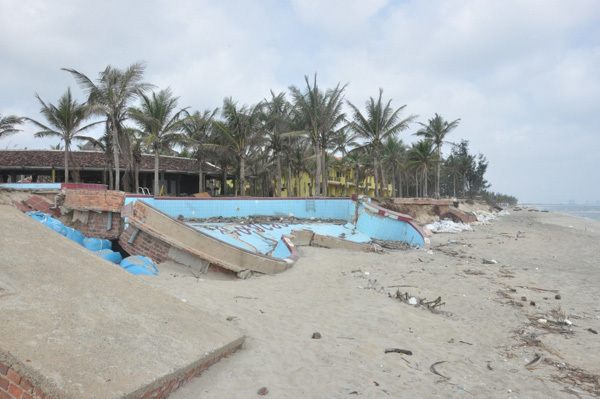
x: 540, y: 300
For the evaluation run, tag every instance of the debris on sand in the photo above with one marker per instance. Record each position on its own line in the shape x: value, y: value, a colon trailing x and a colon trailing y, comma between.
x: 535, y: 362
x: 391, y: 244
x: 416, y: 301
x: 448, y: 226
x: 397, y: 350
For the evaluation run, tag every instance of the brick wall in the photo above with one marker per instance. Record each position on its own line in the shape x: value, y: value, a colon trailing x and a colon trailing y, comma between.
x: 163, y: 391
x: 153, y: 247
x: 95, y: 200
x: 15, y: 386
x: 96, y: 225
x: 145, y: 244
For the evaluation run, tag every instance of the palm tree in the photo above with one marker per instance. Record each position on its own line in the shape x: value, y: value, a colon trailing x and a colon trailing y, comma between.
x: 343, y: 141
x: 276, y: 115
x: 318, y: 113
x: 394, y: 152
x: 240, y: 131
x: 437, y: 129
x: 104, y: 143
x: 453, y: 169
x: 64, y: 121
x: 8, y: 125
x: 160, y: 124
x: 380, y: 122
x: 137, y: 151
x: 197, y: 134
x: 110, y: 96
x: 422, y: 156
x: 355, y: 162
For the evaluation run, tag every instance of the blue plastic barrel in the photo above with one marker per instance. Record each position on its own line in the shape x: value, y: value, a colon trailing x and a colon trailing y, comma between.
x: 138, y: 264
x: 110, y: 255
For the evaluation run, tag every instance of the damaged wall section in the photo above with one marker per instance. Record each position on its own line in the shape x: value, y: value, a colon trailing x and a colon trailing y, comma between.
x: 96, y: 213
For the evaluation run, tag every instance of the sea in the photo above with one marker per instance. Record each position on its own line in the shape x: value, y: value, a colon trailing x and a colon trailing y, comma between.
x: 589, y: 212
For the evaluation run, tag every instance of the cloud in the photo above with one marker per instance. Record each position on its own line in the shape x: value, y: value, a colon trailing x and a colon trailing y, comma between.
x: 522, y: 76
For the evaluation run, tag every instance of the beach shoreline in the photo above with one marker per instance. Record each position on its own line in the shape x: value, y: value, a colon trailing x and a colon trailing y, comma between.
x: 497, y: 318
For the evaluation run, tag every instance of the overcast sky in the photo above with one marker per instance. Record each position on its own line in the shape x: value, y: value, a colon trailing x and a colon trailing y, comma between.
x: 523, y: 76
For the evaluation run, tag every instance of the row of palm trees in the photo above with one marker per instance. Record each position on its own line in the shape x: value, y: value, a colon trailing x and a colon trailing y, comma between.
x: 300, y: 134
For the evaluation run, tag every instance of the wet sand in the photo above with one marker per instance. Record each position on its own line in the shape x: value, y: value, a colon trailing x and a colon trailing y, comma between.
x: 478, y: 344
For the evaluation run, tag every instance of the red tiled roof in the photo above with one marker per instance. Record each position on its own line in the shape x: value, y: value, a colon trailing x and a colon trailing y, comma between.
x: 91, y: 160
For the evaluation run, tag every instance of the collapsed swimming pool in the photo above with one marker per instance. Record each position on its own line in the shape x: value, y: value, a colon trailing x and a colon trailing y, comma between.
x: 356, y: 219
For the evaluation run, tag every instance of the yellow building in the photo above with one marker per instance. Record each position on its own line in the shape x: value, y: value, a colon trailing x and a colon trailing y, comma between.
x: 340, y: 184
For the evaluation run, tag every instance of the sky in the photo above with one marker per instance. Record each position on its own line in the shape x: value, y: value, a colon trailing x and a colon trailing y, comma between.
x: 522, y: 76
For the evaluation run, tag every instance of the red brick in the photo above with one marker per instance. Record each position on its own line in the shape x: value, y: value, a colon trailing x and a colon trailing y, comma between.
x: 15, y: 391
x: 5, y: 395
x: 26, y: 396
x: 13, y: 376
x: 4, y: 383
x: 3, y: 368
x: 27, y: 385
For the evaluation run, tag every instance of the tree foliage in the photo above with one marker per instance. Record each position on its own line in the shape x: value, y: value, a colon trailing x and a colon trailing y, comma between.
x: 262, y: 142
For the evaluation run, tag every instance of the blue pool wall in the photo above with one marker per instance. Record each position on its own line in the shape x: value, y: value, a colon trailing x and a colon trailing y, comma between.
x: 382, y: 228
x: 201, y: 208
x: 32, y: 186
x: 389, y: 229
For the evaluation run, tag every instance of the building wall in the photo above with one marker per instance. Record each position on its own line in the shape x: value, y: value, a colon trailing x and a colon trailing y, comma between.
x: 336, y: 186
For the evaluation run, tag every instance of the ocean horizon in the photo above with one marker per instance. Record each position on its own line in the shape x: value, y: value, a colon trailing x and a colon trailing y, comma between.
x: 589, y: 212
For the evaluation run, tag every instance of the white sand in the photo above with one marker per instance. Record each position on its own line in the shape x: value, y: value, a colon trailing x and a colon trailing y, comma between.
x: 484, y: 338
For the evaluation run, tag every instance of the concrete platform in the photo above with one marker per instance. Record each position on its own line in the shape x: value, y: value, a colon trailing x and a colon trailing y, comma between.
x: 75, y: 326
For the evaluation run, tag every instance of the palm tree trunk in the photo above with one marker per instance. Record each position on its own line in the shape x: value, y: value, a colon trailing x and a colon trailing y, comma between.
x: 66, y: 163
x: 394, y: 180
x: 156, y: 182
x: 289, y: 180
x: 223, y: 178
x: 425, y: 182
x: 400, y: 183
x: 376, y: 176
x: 116, y: 160
x: 454, y: 185
x: 317, y: 188
x: 200, y: 178
x: 242, y: 185
x: 325, y: 172
x: 111, y: 178
x: 345, y: 181
x: 437, y: 178
x: 278, y: 161
x: 383, y: 181
x: 417, y: 183
x: 137, y: 176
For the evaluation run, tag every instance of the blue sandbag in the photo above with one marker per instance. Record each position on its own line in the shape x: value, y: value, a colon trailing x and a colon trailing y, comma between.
x: 37, y: 216
x: 138, y: 264
x: 110, y: 255
x: 75, y: 235
x: 55, y: 225
x: 96, y: 244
